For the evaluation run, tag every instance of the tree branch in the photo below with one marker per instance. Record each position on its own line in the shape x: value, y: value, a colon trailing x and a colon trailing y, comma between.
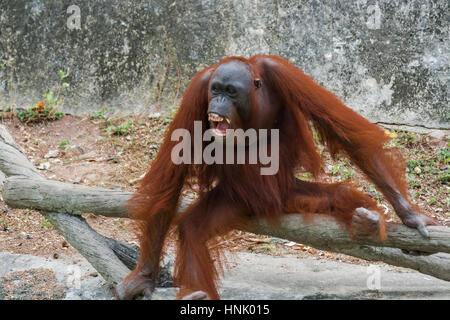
x: 323, y: 232
x: 26, y: 188
x: 45, y: 195
x: 13, y: 161
x: 93, y: 246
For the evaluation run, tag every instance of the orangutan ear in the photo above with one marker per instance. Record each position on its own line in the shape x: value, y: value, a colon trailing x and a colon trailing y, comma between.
x: 258, y: 83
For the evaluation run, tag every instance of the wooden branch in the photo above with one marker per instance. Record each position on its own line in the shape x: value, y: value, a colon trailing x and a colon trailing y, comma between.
x: 111, y: 258
x: 45, y: 195
x: 13, y: 161
x: 436, y: 265
x: 324, y: 232
x: 26, y: 188
x: 129, y: 255
x: 90, y: 244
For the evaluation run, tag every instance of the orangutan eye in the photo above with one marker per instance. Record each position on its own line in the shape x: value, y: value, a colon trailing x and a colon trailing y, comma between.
x: 214, y: 89
x: 231, y: 90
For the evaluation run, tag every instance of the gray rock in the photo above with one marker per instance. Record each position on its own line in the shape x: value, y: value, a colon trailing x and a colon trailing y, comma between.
x: 52, y: 154
x: 258, y: 276
x: 2, y: 180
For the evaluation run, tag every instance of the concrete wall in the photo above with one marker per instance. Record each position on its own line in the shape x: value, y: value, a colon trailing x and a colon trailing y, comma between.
x: 389, y: 60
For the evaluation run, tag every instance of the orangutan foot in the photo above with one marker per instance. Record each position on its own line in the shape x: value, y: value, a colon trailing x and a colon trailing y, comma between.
x: 196, y: 295
x: 133, y: 285
x: 366, y: 223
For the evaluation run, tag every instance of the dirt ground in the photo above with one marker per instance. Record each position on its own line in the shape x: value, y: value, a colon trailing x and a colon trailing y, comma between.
x: 88, y: 151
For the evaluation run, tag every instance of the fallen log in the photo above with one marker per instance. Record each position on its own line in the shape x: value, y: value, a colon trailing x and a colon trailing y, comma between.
x: 323, y: 232
x: 62, y: 202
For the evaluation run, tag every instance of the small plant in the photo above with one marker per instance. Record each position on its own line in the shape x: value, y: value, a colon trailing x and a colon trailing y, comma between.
x: 105, y: 113
x: 41, y: 111
x: 444, y: 155
x: 412, y: 164
x: 403, y: 137
x: 24, y: 115
x: 345, y: 173
x: 267, y: 248
x: 336, y: 169
x: 45, y: 223
x: 443, y: 176
x: 305, y: 176
x: 63, y: 75
x: 122, y: 130
x: 432, y: 200
x: 374, y: 192
x: 63, y: 143
x: 47, y: 109
x: 6, y: 112
x: 6, y: 63
x: 97, y: 114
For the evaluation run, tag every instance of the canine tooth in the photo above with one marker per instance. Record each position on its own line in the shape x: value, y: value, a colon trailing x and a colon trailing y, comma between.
x: 214, y: 117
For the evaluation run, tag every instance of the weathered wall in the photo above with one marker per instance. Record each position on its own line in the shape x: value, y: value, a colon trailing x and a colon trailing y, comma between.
x: 389, y: 60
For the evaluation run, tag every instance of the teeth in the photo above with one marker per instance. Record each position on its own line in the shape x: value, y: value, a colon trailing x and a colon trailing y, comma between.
x: 216, y: 118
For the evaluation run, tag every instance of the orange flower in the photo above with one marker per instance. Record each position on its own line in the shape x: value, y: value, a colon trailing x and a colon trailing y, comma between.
x: 40, y: 104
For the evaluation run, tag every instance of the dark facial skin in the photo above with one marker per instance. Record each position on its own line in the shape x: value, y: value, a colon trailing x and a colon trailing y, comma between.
x: 230, y: 94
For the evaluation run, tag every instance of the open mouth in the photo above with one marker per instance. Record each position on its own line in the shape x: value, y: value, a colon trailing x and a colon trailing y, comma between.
x: 219, y: 124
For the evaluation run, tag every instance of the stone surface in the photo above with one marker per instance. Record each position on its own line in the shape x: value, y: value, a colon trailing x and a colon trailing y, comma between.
x: 388, y: 60
x: 257, y: 276
x: 2, y: 180
x: 75, y: 278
